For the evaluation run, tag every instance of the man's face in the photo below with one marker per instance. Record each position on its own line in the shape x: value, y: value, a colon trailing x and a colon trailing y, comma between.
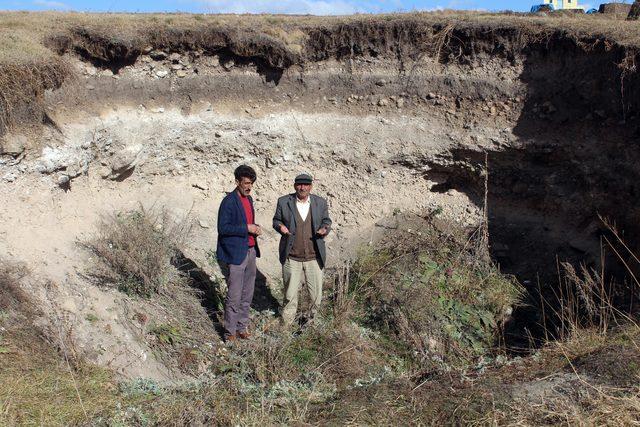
x: 244, y: 186
x: 302, y: 190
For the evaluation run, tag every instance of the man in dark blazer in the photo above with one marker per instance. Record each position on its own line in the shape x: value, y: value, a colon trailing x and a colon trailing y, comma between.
x: 237, y: 250
x: 302, y: 219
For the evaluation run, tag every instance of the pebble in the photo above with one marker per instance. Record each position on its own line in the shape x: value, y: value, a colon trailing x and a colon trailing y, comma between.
x: 63, y: 179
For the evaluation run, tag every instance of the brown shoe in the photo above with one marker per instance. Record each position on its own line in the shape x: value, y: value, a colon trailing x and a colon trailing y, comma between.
x: 244, y: 335
x: 229, y: 338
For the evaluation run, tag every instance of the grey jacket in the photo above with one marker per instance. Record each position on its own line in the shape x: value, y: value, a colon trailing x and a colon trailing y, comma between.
x: 285, y: 214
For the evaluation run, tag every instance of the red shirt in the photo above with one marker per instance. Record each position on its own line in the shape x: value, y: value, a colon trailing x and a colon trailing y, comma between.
x: 248, y: 212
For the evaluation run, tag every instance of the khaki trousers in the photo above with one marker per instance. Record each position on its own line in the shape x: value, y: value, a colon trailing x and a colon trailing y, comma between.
x: 292, y: 274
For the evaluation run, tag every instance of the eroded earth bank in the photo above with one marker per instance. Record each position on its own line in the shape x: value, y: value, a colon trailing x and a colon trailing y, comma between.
x: 392, y: 118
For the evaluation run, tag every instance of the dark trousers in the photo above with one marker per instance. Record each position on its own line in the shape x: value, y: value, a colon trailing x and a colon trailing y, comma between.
x: 241, y: 281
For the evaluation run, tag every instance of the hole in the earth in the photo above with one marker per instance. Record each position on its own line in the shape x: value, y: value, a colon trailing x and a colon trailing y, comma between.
x: 546, y: 218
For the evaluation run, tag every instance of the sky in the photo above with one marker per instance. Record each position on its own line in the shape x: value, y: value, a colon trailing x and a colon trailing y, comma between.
x: 314, y: 7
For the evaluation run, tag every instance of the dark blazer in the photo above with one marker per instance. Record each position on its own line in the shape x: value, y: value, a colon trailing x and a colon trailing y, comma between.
x: 285, y: 214
x: 233, y: 235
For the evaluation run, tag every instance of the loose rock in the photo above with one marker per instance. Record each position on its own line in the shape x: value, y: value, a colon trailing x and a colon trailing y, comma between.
x: 125, y: 160
x: 13, y: 145
x: 63, y: 180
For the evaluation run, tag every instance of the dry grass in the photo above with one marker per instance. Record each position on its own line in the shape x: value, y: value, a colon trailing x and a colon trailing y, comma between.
x: 13, y: 299
x: 337, y: 372
x: 136, y: 252
x: 133, y: 251
x: 23, y: 34
x: 37, y: 385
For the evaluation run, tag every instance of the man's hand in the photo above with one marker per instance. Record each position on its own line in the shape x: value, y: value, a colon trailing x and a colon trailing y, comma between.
x: 322, y: 231
x: 284, y: 229
x: 254, y: 229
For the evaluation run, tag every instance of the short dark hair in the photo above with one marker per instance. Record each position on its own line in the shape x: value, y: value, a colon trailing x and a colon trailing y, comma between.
x: 244, y: 171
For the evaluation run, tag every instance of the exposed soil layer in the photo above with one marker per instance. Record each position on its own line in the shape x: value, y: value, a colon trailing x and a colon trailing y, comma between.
x: 389, y: 115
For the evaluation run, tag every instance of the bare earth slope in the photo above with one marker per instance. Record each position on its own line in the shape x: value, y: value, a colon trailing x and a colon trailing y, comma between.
x: 390, y: 113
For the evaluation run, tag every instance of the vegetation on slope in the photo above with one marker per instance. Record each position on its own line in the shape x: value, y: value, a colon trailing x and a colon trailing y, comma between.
x: 409, y: 335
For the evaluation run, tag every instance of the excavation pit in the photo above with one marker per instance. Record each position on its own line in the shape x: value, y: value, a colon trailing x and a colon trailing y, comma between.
x: 540, y: 133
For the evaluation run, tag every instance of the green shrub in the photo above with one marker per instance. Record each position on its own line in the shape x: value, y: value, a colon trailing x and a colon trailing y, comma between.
x: 428, y: 284
x: 166, y: 334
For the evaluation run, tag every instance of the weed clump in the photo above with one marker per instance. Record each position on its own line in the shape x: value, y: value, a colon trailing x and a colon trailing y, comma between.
x: 134, y: 251
x: 430, y: 284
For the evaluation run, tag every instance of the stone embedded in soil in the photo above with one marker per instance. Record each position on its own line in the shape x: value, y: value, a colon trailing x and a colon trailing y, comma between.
x: 157, y: 55
x: 105, y: 172
x: 125, y: 160
x: 73, y: 160
x: 13, y: 145
x: 63, y: 179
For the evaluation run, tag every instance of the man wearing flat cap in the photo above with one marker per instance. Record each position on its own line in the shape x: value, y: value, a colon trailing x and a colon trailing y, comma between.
x: 302, y: 219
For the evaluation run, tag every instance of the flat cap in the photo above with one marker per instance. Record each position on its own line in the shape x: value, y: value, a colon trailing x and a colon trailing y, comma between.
x: 303, y: 178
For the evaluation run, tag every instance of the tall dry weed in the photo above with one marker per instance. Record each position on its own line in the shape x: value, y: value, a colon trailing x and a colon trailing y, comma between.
x: 133, y: 250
